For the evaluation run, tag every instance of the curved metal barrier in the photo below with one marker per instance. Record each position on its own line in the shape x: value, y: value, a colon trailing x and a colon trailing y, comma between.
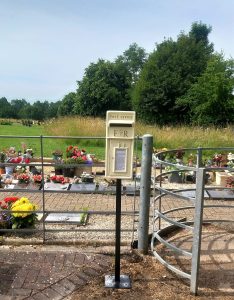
x: 165, y: 220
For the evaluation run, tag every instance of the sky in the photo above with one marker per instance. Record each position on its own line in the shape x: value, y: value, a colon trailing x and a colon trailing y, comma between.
x: 47, y: 44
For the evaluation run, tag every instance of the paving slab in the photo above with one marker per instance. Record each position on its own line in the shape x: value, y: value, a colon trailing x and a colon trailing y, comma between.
x: 53, y: 278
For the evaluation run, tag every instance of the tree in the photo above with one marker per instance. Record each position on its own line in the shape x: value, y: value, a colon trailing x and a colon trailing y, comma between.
x: 133, y: 59
x: 5, y: 108
x: 168, y: 74
x: 17, y: 105
x: 66, y: 106
x: 53, y: 109
x: 210, y: 100
x: 103, y: 87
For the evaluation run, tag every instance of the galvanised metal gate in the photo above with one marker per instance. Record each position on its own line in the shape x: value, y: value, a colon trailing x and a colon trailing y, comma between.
x: 194, y: 204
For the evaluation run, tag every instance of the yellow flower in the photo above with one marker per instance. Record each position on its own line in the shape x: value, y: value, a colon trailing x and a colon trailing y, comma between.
x: 24, y: 205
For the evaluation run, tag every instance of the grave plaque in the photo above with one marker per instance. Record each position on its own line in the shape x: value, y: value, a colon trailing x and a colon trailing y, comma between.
x: 221, y: 194
x: 83, y: 187
x: 64, y: 217
x: 192, y: 194
x: 56, y: 186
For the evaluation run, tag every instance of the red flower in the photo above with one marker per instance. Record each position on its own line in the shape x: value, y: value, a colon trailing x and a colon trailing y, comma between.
x: 10, y: 199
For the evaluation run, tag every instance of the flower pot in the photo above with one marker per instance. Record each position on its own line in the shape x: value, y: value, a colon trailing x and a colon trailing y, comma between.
x: 58, y: 171
x: 57, y: 157
x: 175, y: 178
x: 81, y: 169
x: 68, y: 172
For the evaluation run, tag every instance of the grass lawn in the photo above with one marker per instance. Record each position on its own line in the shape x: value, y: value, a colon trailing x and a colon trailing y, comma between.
x: 171, y: 137
x: 49, y: 144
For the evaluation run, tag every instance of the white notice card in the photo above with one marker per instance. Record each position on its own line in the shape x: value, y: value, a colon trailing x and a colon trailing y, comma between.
x: 120, y: 159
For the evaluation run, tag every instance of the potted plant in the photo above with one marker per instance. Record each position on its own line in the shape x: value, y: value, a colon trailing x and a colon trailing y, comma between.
x: 22, y: 213
x: 2, y: 160
x: 87, y: 178
x: 179, y: 155
x: 74, y: 156
x: 59, y: 179
x: 57, y: 154
x: 176, y: 176
x: 5, y: 216
x: 23, y: 178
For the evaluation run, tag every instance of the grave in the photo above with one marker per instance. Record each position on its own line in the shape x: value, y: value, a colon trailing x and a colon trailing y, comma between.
x: 132, y: 190
x: 83, y: 187
x: 64, y: 217
x: 221, y: 194
x: 192, y: 194
x: 56, y: 186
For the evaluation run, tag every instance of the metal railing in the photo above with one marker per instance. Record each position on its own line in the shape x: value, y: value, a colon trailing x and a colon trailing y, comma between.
x: 43, y: 164
x: 193, y: 204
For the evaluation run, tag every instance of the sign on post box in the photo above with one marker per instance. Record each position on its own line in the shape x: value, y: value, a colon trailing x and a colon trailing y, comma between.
x: 119, y: 144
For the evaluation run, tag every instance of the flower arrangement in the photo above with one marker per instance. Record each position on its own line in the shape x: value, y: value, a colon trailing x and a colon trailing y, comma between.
x: 179, y: 154
x: 230, y: 182
x: 37, y: 178
x: 57, y: 152
x: 76, y: 155
x: 5, y: 216
x: 217, y: 159
x: 85, y: 177
x: 191, y: 159
x: 23, y: 178
x: 230, y: 156
x: 23, y: 215
x: 20, y: 169
x: 59, y: 179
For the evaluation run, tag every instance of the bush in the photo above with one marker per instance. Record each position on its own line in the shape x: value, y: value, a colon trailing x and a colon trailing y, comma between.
x: 5, y: 122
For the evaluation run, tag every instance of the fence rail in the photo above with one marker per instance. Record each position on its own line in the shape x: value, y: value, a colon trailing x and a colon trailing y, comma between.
x: 42, y: 162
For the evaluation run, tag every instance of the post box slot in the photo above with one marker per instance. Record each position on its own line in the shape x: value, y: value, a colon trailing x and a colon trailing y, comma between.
x: 120, y: 125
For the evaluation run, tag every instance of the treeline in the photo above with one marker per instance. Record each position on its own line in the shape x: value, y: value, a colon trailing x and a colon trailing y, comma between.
x: 182, y: 81
x: 21, y: 109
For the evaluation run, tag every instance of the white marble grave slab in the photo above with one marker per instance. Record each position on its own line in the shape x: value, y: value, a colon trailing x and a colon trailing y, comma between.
x: 64, y: 217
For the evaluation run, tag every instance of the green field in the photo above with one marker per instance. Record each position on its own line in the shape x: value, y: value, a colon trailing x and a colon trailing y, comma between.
x: 169, y: 137
x: 49, y: 144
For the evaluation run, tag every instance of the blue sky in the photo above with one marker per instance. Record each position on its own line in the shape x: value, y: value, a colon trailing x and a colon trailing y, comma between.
x: 47, y: 44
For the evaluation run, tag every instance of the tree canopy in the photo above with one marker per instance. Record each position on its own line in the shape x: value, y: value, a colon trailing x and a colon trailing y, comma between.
x: 104, y: 86
x: 168, y: 74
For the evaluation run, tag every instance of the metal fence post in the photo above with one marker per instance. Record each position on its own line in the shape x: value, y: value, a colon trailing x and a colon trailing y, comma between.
x: 199, y: 157
x: 198, y: 219
x: 146, y: 165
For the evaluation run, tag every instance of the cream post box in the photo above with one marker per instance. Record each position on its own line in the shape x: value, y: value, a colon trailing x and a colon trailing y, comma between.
x: 119, y: 144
